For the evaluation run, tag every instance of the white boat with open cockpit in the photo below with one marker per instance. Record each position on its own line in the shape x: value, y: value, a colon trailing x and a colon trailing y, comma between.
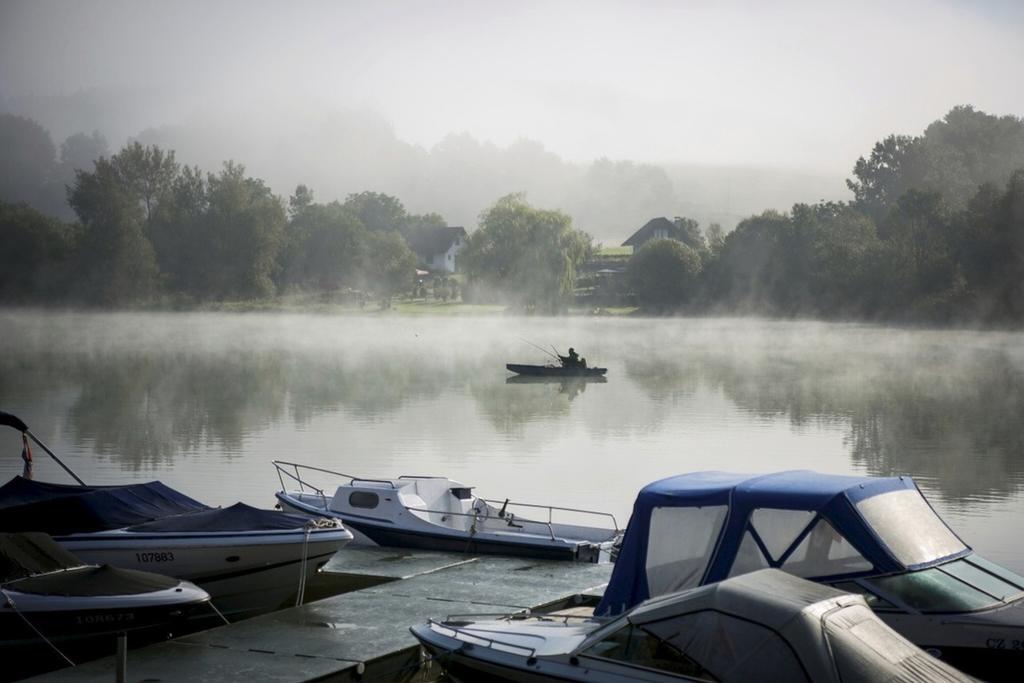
x: 248, y: 560
x: 438, y: 513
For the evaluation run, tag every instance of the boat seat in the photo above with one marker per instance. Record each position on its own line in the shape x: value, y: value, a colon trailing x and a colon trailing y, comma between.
x: 411, y: 500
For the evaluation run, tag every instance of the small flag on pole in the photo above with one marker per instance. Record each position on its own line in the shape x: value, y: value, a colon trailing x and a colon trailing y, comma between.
x: 26, y: 455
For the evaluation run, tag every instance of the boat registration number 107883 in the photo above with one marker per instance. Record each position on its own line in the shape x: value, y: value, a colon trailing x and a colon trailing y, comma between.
x: 164, y: 556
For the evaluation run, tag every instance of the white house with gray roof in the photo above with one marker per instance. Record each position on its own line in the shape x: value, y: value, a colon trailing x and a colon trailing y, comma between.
x: 438, y: 248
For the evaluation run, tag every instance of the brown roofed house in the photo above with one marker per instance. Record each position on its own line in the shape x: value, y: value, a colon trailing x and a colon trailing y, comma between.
x: 655, y: 229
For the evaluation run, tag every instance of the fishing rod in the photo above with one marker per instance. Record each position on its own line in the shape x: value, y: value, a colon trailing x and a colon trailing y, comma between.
x: 541, y: 348
x: 17, y: 423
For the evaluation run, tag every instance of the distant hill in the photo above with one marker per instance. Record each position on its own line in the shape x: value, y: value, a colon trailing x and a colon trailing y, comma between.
x: 342, y: 152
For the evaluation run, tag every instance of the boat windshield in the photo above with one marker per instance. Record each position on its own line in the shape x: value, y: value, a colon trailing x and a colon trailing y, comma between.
x: 964, y: 585
x: 636, y: 646
x: 909, y: 527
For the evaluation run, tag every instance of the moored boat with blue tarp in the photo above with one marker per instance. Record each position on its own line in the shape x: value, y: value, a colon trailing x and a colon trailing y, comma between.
x: 249, y: 560
x: 875, y: 536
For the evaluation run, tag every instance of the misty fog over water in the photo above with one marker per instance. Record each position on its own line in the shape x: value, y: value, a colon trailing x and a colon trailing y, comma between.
x: 205, y: 401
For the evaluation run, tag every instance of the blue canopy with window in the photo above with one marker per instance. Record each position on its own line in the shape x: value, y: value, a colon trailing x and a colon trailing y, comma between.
x: 698, y: 528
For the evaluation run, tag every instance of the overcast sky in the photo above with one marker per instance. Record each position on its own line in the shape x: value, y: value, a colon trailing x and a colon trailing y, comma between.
x: 798, y: 84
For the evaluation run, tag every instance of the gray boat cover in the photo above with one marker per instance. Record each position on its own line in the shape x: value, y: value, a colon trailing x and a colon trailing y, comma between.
x: 92, y: 581
x: 831, y: 632
x: 34, y: 563
x: 28, y: 554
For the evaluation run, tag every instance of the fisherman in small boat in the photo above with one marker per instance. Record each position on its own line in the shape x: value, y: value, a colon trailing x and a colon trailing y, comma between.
x: 573, y: 360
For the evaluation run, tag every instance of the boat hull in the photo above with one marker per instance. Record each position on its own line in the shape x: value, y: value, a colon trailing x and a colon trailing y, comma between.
x: 245, y: 573
x: 554, y: 371
x: 85, y: 627
x: 995, y: 664
x: 404, y: 538
x: 464, y: 669
x: 65, y: 619
x: 990, y: 649
x: 387, y: 533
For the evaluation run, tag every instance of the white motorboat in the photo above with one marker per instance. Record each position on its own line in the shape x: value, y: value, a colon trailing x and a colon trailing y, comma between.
x: 765, y: 626
x: 51, y: 599
x: 876, y: 536
x: 438, y: 513
x: 249, y: 560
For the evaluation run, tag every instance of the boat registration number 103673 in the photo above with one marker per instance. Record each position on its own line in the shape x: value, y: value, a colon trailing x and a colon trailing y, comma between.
x: 163, y: 556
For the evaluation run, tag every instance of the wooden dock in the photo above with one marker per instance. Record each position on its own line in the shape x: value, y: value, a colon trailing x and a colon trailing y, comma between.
x: 361, y: 635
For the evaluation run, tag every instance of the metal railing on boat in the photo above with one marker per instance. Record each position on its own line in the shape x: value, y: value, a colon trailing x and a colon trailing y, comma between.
x: 456, y: 631
x: 483, y: 515
x: 468, y: 637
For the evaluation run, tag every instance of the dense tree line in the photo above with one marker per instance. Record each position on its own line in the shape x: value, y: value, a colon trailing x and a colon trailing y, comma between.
x: 935, y: 233
x: 150, y: 230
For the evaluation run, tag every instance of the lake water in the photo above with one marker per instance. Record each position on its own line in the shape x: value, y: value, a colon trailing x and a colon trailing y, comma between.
x: 205, y: 401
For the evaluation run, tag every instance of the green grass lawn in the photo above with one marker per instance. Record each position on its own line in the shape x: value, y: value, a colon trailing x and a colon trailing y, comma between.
x: 613, y: 251
x: 434, y: 307
x: 401, y: 306
x: 617, y: 310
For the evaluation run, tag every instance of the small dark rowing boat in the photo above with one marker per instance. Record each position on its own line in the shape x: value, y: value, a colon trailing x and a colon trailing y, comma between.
x: 554, y: 371
x: 565, y: 381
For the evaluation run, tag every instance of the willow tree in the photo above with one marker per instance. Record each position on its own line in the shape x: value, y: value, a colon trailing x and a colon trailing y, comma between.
x: 525, y: 256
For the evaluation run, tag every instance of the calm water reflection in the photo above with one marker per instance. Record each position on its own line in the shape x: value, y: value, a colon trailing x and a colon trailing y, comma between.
x: 205, y: 401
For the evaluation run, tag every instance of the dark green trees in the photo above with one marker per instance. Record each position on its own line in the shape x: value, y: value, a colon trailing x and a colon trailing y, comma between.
x: 34, y: 256
x: 389, y: 265
x: 146, y: 223
x: 377, y: 211
x: 244, y: 224
x: 955, y: 155
x: 329, y: 247
x: 991, y: 250
x: 748, y: 270
x: 115, y: 259
x: 664, y: 275
x: 325, y: 245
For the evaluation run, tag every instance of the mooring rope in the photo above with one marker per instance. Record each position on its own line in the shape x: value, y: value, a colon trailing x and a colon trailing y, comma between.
x: 301, y: 593
x: 39, y: 633
x: 218, y: 612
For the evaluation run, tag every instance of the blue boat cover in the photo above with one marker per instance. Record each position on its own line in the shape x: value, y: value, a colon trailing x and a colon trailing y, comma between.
x: 831, y: 497
x: 238, y: 517
x: 61, y: 509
